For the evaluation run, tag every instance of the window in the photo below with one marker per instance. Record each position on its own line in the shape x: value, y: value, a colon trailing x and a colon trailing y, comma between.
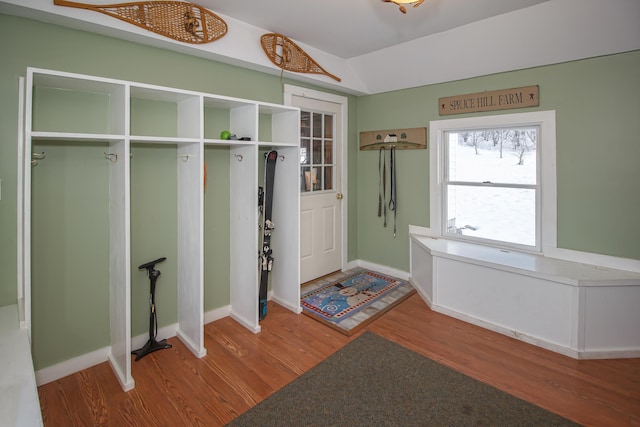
x: 490, y: 184
x: 316, y: 151
x: 493, y: 180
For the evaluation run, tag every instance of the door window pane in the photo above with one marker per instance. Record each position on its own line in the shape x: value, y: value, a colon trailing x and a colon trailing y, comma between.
x: 305, y: 179
x: 317, y: 150
x: 328, y: 177
x: 316, y: 178
x: 310, y: 179
x: 328, y: 126
x: 328, y: 152
x: 305, y: 152
x: 317, y: 125
x: 305, y: 124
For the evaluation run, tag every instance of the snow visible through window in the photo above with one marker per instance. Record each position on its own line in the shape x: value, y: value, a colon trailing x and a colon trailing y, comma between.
x: 491, y: 184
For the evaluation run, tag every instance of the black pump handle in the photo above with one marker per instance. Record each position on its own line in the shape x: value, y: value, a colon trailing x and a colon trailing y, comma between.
x: 149, y: 266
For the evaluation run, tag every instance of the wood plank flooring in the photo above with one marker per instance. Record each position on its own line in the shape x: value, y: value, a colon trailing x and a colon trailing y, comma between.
x: 174, y: 388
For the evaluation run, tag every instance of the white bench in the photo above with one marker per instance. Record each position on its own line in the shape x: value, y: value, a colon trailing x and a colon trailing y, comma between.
x: 19, y: 403
x: 579, y: 310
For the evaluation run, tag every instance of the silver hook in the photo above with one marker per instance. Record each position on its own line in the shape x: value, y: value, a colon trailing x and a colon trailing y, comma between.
x: 35, y: 157
x: 239, y: 157
x: 112, y: 157
x: 282, y: 157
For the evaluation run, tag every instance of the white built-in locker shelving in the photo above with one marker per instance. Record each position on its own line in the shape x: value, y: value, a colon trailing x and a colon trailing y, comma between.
x: 117, y: 115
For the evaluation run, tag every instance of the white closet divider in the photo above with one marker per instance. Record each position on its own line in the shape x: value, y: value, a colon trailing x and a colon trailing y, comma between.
x: 120, y: 263
x: 286, y: 210
x: 244, y: 121
x: 244, y: 235
x: 120, y: 238
x: 191, y: 246
x: 24, y: 168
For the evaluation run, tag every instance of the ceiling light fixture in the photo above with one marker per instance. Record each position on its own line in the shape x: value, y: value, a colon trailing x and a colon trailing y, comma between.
x: 401, y: 3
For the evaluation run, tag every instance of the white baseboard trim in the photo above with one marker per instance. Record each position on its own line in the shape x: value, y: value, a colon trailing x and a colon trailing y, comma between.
x: 422, y: 294
x: 350, y: 265
x: 217, y: 314
x: 71, y: 366
x: 575, y: 354
x: 192, y: 346
x: 126, y: 386
x: 609, y: 354
x: 87, y: 360
x: 165, y: 332
x: 384, y: 269
x: 285, y: 304
x: 245, y: 322
x: 508, y: 332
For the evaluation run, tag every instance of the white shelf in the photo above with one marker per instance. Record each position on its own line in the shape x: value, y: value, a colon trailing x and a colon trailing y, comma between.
x: 229, y: 143
x: 276, y: 144
x: 163, y: 140
x: 70, y: 136
x: 71, y: 107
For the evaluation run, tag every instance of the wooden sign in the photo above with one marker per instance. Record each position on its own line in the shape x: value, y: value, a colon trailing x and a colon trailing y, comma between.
x: 401, y: 139
x: 504, y: 99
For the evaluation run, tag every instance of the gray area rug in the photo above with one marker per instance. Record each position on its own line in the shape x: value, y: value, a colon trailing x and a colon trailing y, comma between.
x: 374, y: 382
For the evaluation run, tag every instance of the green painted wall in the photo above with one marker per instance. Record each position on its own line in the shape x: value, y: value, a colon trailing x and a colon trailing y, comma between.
x: 598, y: 150
x: 70, y: 192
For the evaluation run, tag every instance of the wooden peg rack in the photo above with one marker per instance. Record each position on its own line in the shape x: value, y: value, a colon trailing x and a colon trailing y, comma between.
x: 400, y: 139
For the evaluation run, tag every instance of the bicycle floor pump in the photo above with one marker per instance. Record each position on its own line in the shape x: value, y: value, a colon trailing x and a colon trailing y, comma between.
x: 152, y: 345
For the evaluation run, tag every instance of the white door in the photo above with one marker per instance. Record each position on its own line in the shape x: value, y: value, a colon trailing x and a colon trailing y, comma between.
x: 321, y: 195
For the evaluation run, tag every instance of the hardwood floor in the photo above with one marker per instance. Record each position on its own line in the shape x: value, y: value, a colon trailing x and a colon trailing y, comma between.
x: 173, y: 388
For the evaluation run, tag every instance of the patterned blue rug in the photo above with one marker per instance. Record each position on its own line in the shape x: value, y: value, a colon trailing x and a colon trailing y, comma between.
x: 354, y: 299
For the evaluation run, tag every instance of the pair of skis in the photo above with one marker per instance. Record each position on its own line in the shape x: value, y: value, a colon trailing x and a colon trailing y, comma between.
x: 265, y: 203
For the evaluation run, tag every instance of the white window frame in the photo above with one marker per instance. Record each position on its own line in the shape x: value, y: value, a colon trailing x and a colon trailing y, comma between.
x: 546, y: 120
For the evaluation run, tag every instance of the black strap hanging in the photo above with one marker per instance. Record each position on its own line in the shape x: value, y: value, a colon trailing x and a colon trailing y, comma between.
x: 382, y: 185
x: 393, y: 204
